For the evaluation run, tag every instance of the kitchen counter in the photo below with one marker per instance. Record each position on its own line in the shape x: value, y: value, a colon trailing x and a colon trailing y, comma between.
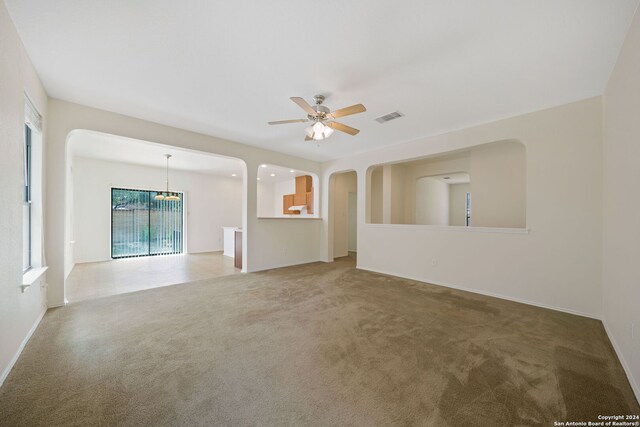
x: 229, y: 240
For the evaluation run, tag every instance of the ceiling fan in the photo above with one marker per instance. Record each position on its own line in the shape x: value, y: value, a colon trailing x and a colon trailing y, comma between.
x: 322, y: 117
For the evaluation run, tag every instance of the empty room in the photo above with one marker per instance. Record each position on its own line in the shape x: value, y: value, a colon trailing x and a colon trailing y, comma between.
x: 319, y: 214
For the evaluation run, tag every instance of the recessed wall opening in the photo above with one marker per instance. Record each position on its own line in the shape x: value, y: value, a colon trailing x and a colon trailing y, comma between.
x: 284, y: 192
x: 344, y: 215
x: 482, y: 186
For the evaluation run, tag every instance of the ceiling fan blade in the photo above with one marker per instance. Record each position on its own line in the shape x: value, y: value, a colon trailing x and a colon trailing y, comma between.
x: 343, y: 128
x: 304, y: 105
x: 308, y: 138
x: 282, y: 122
x: 347, y: 111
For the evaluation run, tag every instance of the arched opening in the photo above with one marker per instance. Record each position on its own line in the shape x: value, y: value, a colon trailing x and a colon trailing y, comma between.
x: 122, y: 235
x: 480, y: 186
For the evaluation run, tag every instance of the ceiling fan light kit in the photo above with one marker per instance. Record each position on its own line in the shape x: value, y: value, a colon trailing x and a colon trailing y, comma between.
x: 322, y: 117
x: 318, y: 131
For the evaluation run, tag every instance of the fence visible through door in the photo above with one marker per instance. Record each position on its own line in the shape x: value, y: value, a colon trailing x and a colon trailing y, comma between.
x: 143, y: 226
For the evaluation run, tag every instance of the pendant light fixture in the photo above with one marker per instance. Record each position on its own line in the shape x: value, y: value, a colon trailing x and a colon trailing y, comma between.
x: 167, y: 195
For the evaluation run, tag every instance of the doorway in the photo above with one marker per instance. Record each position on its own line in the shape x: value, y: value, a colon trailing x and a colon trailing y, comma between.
x: 124, y: 237
x: 344, y: 199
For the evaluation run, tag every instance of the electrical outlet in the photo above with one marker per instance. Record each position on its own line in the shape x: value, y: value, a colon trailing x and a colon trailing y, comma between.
x: 434, y: 262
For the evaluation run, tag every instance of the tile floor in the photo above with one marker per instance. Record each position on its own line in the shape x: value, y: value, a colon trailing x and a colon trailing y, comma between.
x: 99, y: 279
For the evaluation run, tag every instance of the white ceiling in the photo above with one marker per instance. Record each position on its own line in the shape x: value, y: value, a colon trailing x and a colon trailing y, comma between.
x: 225, y: 68
x: 271, y: 173
x: 102, y: 146
x: 452, y: 178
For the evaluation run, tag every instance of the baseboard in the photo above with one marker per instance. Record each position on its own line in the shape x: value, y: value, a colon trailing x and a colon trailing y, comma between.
x: 272, y: 266
x: 623, y: 362
x: 489, y: 294
x: 58, y: 304
x: 13, y: 361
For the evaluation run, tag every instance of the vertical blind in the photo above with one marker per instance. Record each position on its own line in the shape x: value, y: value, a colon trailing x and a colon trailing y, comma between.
x: 143, y: 226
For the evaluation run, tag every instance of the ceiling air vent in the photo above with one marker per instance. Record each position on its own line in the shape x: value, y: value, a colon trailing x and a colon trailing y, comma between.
x: 388, y: 117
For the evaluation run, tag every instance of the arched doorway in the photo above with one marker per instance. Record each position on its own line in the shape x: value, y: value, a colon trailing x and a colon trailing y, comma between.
x: 100, y: 166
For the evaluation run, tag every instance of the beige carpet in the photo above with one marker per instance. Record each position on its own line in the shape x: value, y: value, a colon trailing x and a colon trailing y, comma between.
x: 320, y: 344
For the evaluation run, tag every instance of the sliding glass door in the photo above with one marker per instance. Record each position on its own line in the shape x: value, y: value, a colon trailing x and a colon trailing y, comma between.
x: 165, y: 226
x: 143, y: 226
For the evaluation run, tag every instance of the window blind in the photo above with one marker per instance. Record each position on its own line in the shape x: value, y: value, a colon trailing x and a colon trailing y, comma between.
x: 31, y: 114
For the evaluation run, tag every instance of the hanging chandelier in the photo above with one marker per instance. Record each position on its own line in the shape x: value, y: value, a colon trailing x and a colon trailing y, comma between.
x: 167, y: 195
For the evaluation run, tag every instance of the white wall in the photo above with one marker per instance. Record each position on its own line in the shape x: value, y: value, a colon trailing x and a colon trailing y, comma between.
x: 498, y: 185
x: 375, y: 196
x: 352, y: 214
x: 280, y: 189
x: 343, y: 184
x: 210, y: 203
x: 453, y: 162
x: 432, y: 201
x: 19, y: 312
x: 397, y: 184
x: 266, y: 199
x: 621, y: 253
x: 458, y: 204
x: 558, y: 263
x: 69, y: 247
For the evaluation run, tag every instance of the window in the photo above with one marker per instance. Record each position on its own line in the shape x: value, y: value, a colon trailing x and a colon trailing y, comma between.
x: 144, y: 226
x: 32, y: 193
x: 27, y: 217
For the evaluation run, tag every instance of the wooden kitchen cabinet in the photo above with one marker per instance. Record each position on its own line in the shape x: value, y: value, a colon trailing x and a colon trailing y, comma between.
x: 303, y: 184
x: 287, y: 202
x: 300, y: 199
x: 309, y: 197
